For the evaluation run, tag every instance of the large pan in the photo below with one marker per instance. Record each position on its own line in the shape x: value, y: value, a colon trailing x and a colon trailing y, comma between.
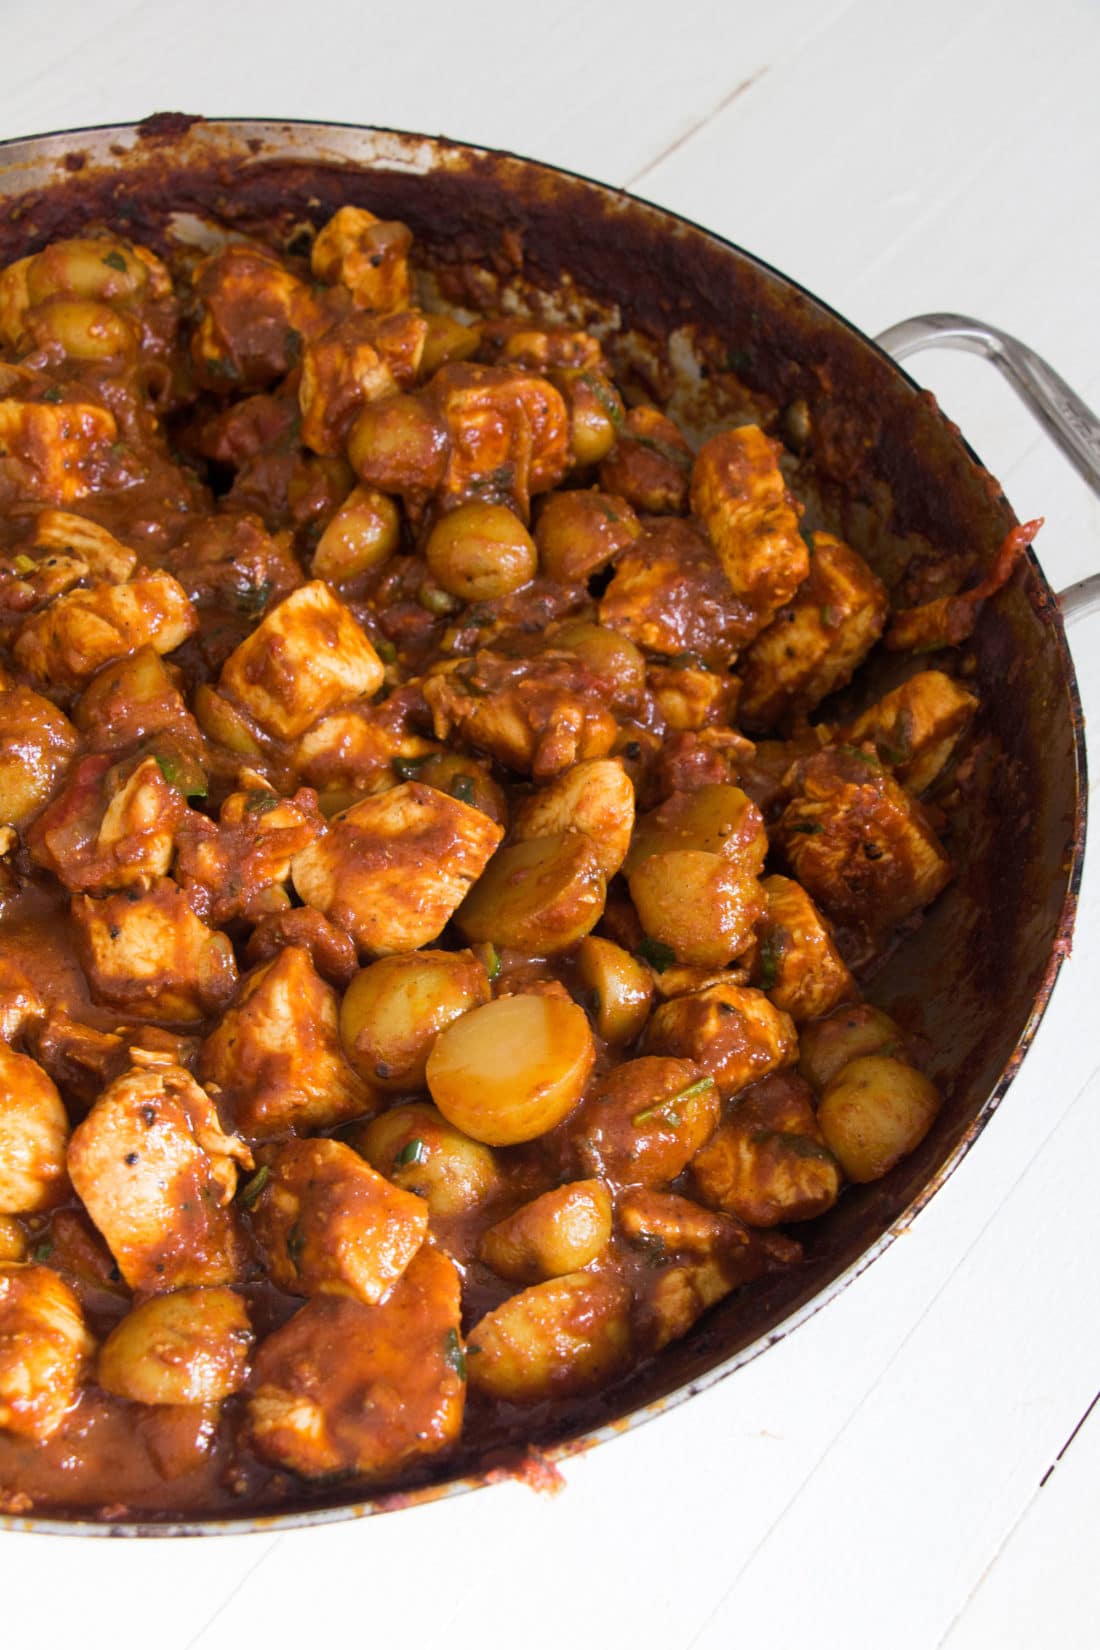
x: 717, y: 333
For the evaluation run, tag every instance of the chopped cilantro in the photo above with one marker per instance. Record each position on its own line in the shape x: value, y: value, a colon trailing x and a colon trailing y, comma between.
x: 54, y: 394
x: 462, y: 788
x: 605, y: 395
x: 453, y: 1354
x: 414, y: 1152
x: 385, y: 651
x: 490, y: 956
x: 407, y: 767
x: 659, y: 1111
x: 773, y: 948
x: 810, y: 827
x: 657, y: 954
x: 115, y: 260
x: 295, y: 1243
x: 252, y: 1188
x: 261, y: 802
x: 187, y: 778
x: 43, y: 1251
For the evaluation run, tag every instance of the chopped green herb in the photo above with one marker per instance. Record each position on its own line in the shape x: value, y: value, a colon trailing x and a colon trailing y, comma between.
x: 435, y: 600
x: 809, y: 828
x: 385, y: 651
x: 480, y: 617
x: 295, y: 1243
x: 453, y: 1354
x: 252, y: 1188
x: 773, y: 948
x: 657, y: 954
x: 191, y: 782
x: 43, y: 1251
x: 491, y: 959
x: 831, y: 618
x: 414, y: 1152
x: 115, y: 260
x: 632, y: 750
x: 407, y: 767
x: 25, y: 564
x: 685, y: 661
x: 660, y: 1110
x: 253, y: 598
x: 462, y: 788
x: 652, y: 1245
x: 54, y: 395
x: 611, y: 515
x: 261, y: 802
x: 605, y: 395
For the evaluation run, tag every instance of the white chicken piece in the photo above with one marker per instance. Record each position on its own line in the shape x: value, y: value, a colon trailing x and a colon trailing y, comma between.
x: 305, y: 658
x: 149, y: 954
x: 34, y: 1131
x: 157, y: 1173
x: 394, y: 868
x: 45, y: 1347
x: 276, y: 1056
x: 738, y: 492
x: 67, y: 642
x: 37, y: 747
x: 102, y: 554
x: 109, y: 830
x: 51, y: 448
x: 367, y: 255
x: 915, y: 728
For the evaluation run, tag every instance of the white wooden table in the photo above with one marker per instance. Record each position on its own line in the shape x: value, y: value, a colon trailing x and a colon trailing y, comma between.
x: 884, y: 1476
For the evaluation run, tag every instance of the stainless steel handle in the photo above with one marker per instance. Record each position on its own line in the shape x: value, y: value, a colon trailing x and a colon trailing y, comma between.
x: 1060, y: 410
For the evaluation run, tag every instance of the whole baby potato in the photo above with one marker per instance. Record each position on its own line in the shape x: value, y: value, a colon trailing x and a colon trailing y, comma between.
x: 416, y: 1148
x: 187, y: 1347
x: 874, y: 1112
x: 619, y: 988
x: 513, y: 1069
x: 559, y: 1232
x: 480, y: 552
x: 394, y: 1008
x: 701, y: 905
x: 558, y: 1339
x: 826, y: 1046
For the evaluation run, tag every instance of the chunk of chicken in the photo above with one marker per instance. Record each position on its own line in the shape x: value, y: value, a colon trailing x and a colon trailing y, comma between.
x: 134, y: 699
x: 157, y: 1174
x: 276, y: 1056
x: 110, y: 828
x: 738, y: 492
x: 814, y: 643
x: 104, y: 556
x: 670, y: 595
x: 45, y: 1347
x: 916, y: 728
x: 330, y: 948
x: 305, y: 657
x: 254, y: 315
x: 38, y: 745
x: 367, y: 255
x: 81, y: 632
x: 861, y: 846
x: 768, y: 1162
x: 645, y: 1120
x: 733, y: 1032
x: 51, y: 453
x: 341, y: 371
x: 540, y: 715
x: 518, y: 342
x: 345, y: 1387
x: 507, y: 434
x: 189, y: 1347
x: 796, y: 961
x: 649, y: 464
x: 239, y: 866
x: 149, y: 954
x: 355, y: 749
x: 395, y: 867
x: 22, y: 1009
x: 330, y: 1224
x: 579, y: 533
x: 690, y: 698
x: 34, y: 1130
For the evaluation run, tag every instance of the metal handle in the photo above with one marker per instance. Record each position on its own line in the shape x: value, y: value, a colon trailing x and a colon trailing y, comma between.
x: 1060, y: 410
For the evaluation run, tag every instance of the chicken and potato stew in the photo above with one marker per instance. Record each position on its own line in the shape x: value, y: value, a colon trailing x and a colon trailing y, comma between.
x: 434, y: 906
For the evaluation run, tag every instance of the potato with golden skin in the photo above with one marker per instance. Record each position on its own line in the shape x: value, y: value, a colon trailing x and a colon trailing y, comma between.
x: 394, y: 1009
x: 540, y: 895
x: 732, y: 1031
x: 644, y: 1120
x: 69, y: 641
x: 769, y: 1162
x: 848, y: 1033
x: 34, y: 1132
x: 395, y: 867
x: 702, y: 906
x: 151, y: 956
x: 364, y: 533
x: 615, y: 986
x: 306, y: 657
x: 815, y: 643
x: 739, y: 494
x: 796, y: 961
x: 596, y: 413
x: 862, y: 847
x: 579, y: 533
x: 874, y: 1112
x: 559, y: 1339
x: 276, y: 1056
x: 45, y: 1348
x: 415, y: 1147
x: 595, y: 798
x: 190, y: 1347
x: 157, y: 1173
x: 712, y: 819
x: 50, y: 452
x: 367, y: 255
x: 558, y: 1232
x: 481, y: 552
x: 38, y: 747
x: 329, y: 1224
x: 916, y: 727
x: 345, y: 1387
x: 511, y: 1070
